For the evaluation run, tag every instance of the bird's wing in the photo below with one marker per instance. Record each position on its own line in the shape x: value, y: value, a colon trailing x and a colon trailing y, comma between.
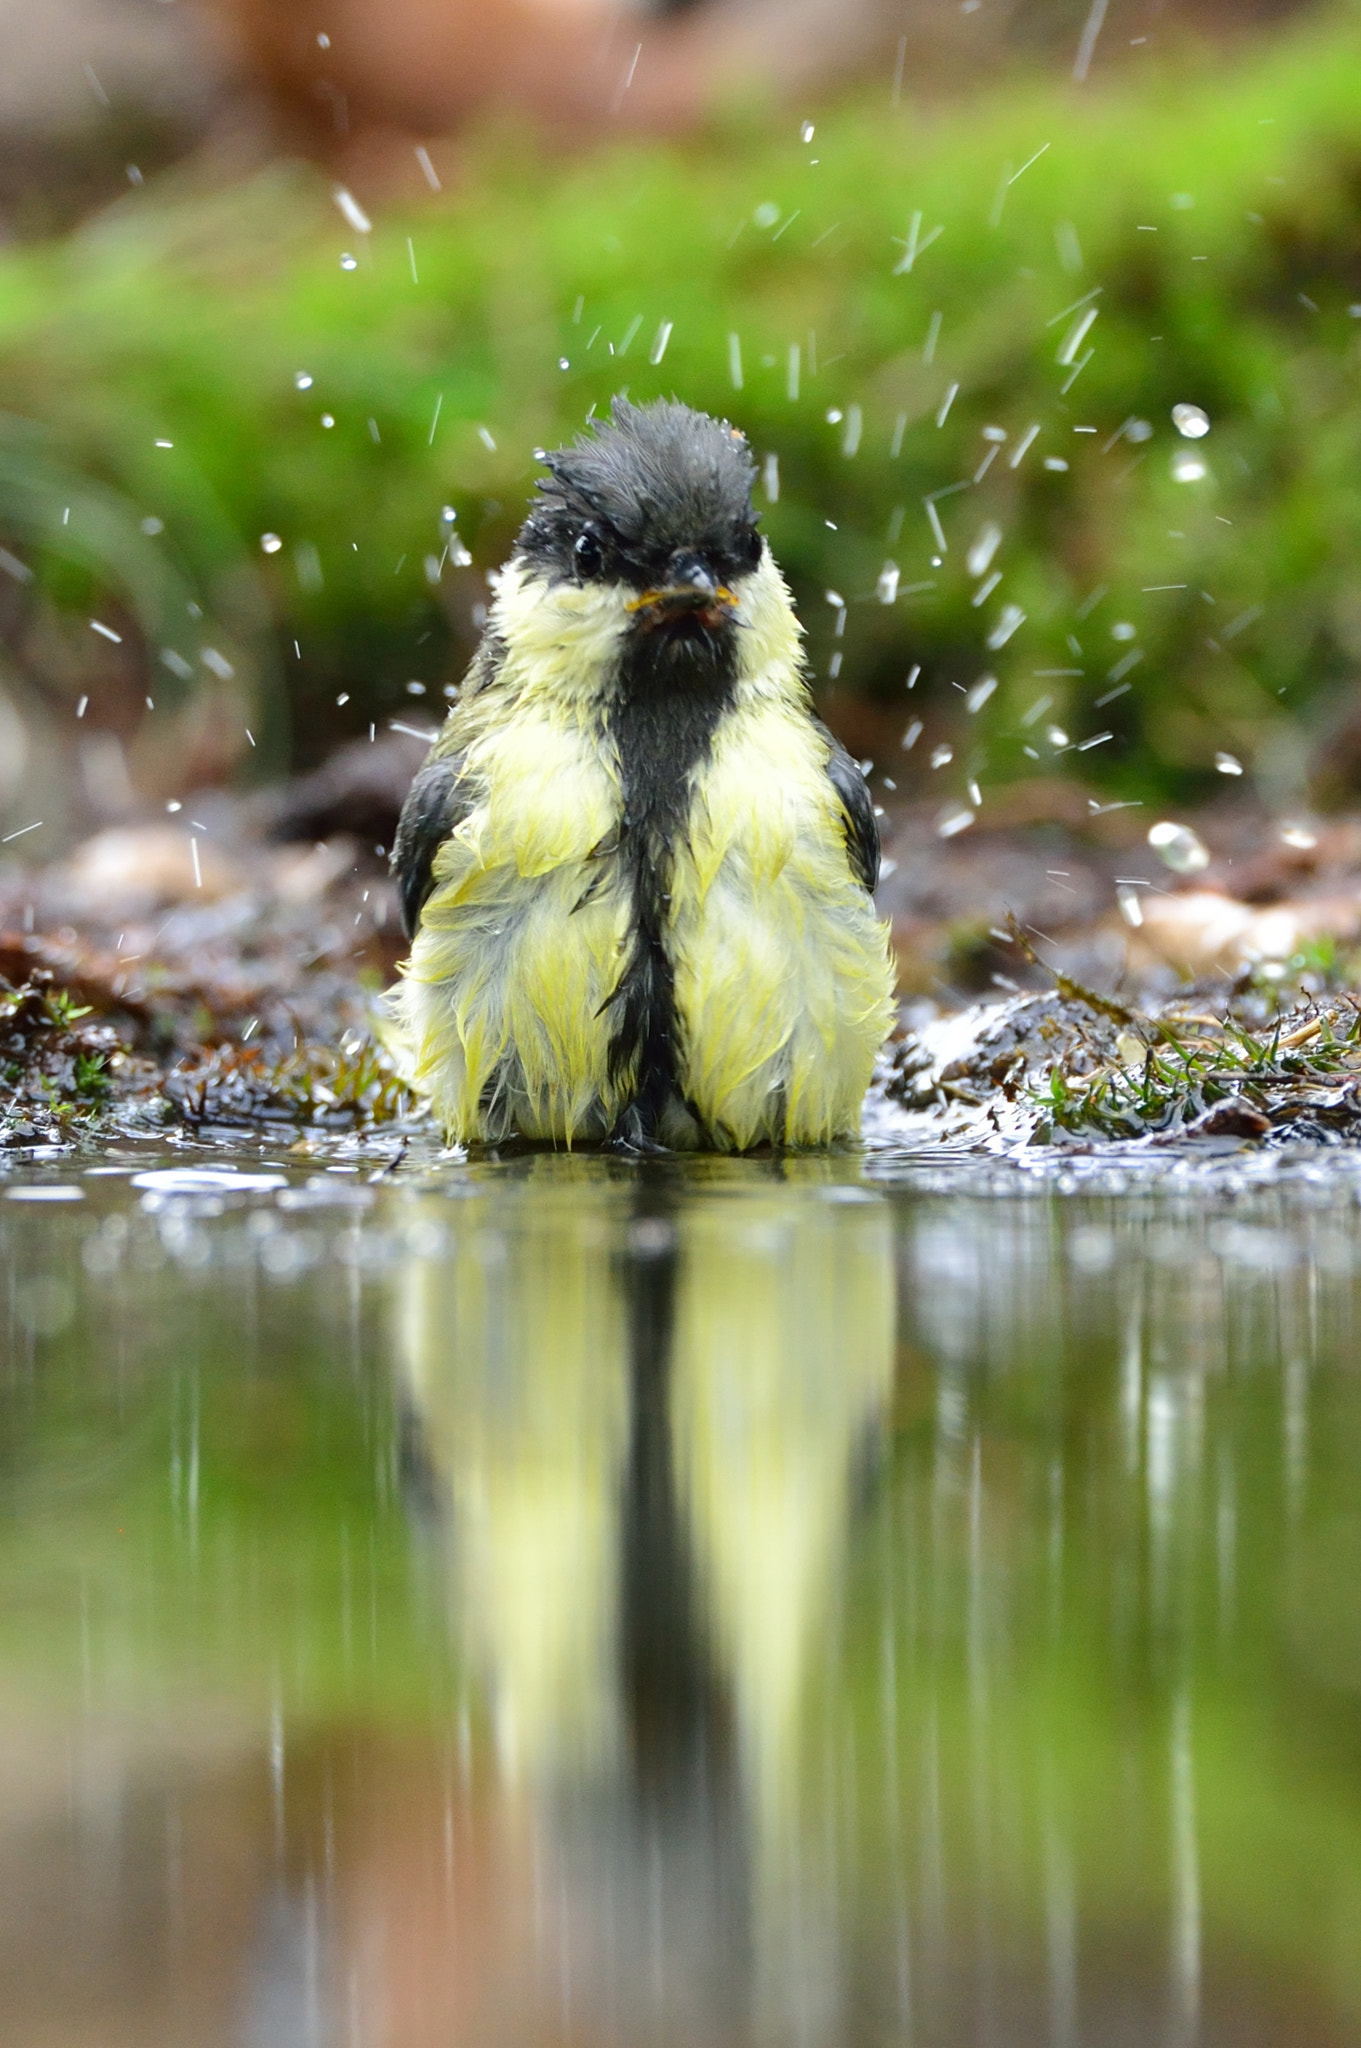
x: 435, y: 805
x: 439, y: 799
x: 857, y: 813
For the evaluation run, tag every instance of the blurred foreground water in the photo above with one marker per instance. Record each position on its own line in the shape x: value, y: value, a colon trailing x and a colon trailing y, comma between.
x: 547, y: 1603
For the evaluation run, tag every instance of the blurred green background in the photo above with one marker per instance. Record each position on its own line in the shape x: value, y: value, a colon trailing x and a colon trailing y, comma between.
x: 237, y: 419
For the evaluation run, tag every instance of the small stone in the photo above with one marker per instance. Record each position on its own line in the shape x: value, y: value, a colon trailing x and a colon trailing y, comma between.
x: 1232, y: 1118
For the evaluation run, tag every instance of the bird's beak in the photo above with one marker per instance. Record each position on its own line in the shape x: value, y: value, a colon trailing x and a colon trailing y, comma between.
x: 691, y: 587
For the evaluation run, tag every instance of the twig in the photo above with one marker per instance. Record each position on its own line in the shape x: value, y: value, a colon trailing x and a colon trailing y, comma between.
x: 1077, y: 992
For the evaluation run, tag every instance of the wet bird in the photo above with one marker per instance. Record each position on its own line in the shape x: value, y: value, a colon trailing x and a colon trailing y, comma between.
x: 635, y: 870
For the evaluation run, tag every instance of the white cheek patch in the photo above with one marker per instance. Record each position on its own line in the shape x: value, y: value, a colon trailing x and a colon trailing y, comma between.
x: 562, y: 640
x: 769, y: 651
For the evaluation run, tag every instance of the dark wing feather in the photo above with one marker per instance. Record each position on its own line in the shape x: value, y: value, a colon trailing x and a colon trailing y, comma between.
x: 857, y: 812
x: 437, y: 802
x: 430, y: 813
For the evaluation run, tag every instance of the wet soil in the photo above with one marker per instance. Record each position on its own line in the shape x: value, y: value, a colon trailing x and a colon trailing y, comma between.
x: 214, y: 972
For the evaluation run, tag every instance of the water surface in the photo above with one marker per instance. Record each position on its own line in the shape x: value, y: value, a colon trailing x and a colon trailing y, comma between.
x: 545, y: 1602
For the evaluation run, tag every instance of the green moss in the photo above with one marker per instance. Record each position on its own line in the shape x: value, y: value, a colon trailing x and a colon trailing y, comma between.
x: 1298, y: 1073
x: 315, y: 1085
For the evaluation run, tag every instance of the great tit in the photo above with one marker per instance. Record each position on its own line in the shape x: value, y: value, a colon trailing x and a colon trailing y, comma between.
x: 635, y: 870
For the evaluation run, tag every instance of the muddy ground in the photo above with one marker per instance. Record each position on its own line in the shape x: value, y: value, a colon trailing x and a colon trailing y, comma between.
x: 215, y: 970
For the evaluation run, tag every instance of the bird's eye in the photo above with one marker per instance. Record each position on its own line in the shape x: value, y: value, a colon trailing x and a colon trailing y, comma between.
x: 749, y: 548
x: 587, y: 555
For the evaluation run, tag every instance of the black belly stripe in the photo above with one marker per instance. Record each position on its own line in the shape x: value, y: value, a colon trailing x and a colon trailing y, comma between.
x: 674, y: 686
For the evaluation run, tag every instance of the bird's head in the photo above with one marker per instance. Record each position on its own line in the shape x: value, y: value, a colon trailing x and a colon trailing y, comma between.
x: 645, y: 540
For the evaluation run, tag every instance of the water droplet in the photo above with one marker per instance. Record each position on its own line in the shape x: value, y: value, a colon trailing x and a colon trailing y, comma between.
x: 303, y: 379
x: 942, y: 756
x: 1055, y: 462
x: 349, y: 262
x: 152, y: 525
x: 1056, y: 737
x: 766, y: 214
x: 563, y: 363
x: 203, y: 1180
x: 1188, y: 468
x: 979, y: 557
x: 328, y: 419
x: 1299, y: 836
x: 1139, y: 430
x: 1179, y: 848
x: 1123, y: 630
x: 1228, y: 764
x: 1009, y: 621
x: 806, y: 132
x: 352, y: 210
x: 833, y: 415
x: 271, y: 543
x: 886, y: 589
x: 1190, y: 422
x: 955, y: 819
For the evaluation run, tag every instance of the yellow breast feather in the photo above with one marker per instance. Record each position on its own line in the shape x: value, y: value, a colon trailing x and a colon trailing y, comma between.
x: 783, y: 978
x: 520, y: 944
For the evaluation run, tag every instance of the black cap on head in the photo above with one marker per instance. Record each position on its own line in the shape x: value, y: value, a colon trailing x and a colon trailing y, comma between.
x: 649, y: 483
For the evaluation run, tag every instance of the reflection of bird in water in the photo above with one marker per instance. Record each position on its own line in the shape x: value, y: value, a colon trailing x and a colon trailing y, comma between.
x: 515, y: 1343
x: 781, y: 1362
x: 645, y: 1416
x: 781, y: 1365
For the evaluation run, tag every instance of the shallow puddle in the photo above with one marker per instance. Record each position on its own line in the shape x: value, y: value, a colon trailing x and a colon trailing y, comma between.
x: 549, y: 1602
